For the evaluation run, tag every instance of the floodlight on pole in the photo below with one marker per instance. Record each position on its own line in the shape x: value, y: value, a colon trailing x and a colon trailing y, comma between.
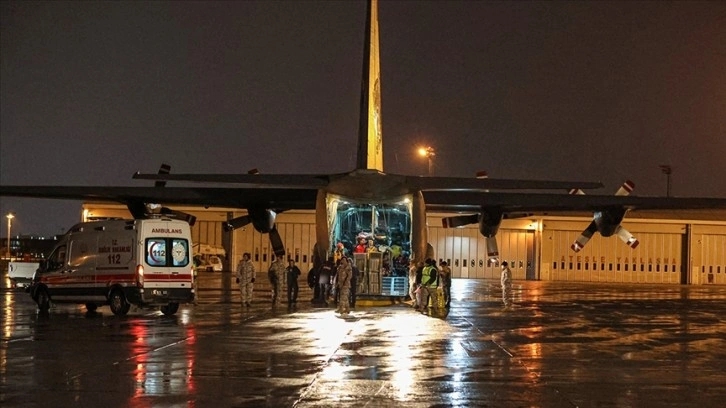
x: 10, y: 217
x: 429, y: 153
x: 667, y: 170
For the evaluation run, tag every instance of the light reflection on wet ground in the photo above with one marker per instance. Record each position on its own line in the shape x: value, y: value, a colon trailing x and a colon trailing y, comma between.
x: 561, y: 345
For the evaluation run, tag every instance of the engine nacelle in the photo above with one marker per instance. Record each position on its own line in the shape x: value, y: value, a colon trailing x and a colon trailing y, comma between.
x: 489, y: 221
x: 262, y: 219
x: 608, y: 221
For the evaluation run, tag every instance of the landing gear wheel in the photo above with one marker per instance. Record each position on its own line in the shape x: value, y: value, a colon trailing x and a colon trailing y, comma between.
x: 170, y: 309
x: 43, y: 300
x: 118, y: 303
x: 91, y: 307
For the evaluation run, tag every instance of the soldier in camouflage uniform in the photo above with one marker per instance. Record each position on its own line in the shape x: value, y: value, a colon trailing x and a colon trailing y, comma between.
x: 278, y: 269
x: 343, y: 279
x: 445, y: 281
x: 506, y: 280
x: 245, y: 278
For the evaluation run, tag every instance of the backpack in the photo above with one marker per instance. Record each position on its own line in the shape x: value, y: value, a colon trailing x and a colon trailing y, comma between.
x: 312, y: 278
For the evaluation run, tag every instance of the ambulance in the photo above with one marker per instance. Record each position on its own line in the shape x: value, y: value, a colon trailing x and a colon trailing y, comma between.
x: 146, y: 263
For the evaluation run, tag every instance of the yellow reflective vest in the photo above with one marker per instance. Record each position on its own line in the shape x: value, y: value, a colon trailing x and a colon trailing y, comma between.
x: 429, y: 276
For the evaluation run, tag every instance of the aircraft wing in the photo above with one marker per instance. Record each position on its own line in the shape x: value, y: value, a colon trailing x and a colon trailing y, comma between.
x: 467, y: 201
x: 296, y: 181
x: 412, y: 183
x: 488, y: 209
x: 449, y: 184
x: 300, y: 197
x: 277, y: 198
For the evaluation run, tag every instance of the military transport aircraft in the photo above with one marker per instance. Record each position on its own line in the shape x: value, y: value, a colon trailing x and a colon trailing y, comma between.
x: 366, y: 203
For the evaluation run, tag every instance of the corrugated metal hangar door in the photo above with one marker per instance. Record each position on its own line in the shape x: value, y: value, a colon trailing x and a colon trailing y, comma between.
x: 660, y: 257
x: 299, y: 239
x: 207, y: 232
x: 465, y: 250
x: 709, y: 255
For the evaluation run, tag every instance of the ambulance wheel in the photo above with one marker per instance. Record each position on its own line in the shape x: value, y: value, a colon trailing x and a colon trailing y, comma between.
x: 91, y: 307
x: 117, y: 302
x: 43, y: 300
x: 170, y: 309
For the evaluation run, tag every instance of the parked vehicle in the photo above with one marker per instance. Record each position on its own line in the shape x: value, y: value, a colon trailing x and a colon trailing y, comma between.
x: 208, y: 258
x: 215, y: 264
x: 21, y: 273
x: 146, y: 263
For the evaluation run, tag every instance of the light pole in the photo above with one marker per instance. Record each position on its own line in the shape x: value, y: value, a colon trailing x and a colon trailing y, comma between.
x: 667, y: 170
x: 429, y: 153
x: 10, y: 217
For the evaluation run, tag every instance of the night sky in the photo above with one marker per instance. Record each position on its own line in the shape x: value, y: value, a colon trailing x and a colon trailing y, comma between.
x: 91, y: 92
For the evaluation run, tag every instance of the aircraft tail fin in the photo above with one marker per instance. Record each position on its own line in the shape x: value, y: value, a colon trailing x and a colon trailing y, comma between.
x: 370, y: 137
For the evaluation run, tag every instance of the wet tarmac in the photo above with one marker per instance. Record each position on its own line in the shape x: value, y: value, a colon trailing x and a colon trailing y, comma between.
x: 560, y: 345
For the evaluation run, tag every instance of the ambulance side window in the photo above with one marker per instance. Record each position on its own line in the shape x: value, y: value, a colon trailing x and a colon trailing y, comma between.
x: 179, y: 252
x: 57, y: 259
x: 156, y: 251
x: 167, y: 252
x: 79, y: 253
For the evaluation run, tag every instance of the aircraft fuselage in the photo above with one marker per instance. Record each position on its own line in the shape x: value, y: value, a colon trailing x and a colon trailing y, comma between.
x: 368, y: 184
x: 371, y: 205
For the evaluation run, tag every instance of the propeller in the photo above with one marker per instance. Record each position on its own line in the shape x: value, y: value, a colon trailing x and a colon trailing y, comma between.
x: 584, y: 237
x: 235, y: 223
x: 140, y: 210
x: 488, y: 219
x: 179, y: 215
x: 460, y: 220
x: 607, y: 222
x: 263, y: 220
x: 163, y: 169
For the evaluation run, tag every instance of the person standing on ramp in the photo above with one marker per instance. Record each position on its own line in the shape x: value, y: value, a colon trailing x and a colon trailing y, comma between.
x: 292, y: 272
x: 245, y: 279
x: 506, y: 281
x: 343, y: 279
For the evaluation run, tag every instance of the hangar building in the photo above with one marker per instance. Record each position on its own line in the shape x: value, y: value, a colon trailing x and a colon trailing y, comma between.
x: 685, y: 247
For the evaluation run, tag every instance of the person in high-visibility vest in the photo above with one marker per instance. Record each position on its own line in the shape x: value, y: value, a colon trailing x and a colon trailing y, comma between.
x: 429, y: 285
